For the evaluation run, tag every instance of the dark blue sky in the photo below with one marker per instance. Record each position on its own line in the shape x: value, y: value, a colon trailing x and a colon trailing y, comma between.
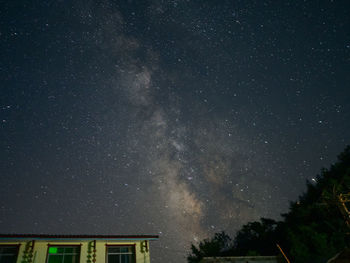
x: 177, y: 118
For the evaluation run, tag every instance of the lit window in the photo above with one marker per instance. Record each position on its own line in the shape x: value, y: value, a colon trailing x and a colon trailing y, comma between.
x: 8, y: 254
x: 63, y: 254
x: 121, y: 254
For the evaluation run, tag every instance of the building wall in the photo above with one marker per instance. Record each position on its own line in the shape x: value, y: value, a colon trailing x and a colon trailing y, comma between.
x: 39, y: 254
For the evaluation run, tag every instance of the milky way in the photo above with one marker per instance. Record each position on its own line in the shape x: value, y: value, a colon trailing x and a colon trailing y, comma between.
x: 177, y: 118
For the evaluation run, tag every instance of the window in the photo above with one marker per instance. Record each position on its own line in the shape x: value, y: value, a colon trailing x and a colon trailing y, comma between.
x: 8, y: 254
x: 120, y: 254
x: 63, y: 254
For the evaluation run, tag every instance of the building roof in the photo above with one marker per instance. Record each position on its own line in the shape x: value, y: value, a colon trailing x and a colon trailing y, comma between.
x: 75, y: 237
x: 243, y: 259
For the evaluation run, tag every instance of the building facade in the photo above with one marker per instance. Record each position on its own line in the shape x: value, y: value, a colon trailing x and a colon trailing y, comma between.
x: 75, y: 248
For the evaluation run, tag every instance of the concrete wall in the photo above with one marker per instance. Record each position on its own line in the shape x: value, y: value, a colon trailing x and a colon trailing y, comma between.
x: 39, y: 253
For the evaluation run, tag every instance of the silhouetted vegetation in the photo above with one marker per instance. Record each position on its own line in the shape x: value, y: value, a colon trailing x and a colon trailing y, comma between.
x: 312, y: 231
x: 219, y: 245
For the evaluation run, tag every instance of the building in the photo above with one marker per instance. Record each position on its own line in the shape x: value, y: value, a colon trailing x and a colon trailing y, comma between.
x: 245, y: 259
x: 17, y: 248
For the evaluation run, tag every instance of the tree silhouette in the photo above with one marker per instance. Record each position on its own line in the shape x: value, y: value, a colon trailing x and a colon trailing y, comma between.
x: 217, y: 246
x: 313, y: 230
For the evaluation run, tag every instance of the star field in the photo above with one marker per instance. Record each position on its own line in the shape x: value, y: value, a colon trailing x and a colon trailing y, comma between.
x: 177, y: 118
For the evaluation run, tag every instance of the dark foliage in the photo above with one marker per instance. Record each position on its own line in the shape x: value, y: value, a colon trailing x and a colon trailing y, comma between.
x: 217, y: 246
x: 257, y: 238
x: 314, y: 228
x: 312, y: 231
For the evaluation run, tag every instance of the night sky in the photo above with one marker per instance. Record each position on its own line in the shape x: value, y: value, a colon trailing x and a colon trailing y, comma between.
x: 177, y: 118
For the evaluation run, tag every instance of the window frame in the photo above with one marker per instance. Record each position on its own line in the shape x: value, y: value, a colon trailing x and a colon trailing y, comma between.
x: 17, y: 246
x: 121, y: 245
x: 59, y: 245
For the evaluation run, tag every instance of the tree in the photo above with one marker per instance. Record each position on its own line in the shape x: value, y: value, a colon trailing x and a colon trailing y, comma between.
x: 315, y: 228
x: 217, y: 246
x: 257, y: 238
x: 312, y: 231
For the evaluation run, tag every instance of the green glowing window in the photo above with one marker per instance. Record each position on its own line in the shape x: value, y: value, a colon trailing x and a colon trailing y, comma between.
x: 63, y: 254
x: 120, y: 254
x: 8, y: 254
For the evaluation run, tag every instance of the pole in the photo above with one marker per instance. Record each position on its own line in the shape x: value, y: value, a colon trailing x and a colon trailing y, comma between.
x: 283, y: 253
